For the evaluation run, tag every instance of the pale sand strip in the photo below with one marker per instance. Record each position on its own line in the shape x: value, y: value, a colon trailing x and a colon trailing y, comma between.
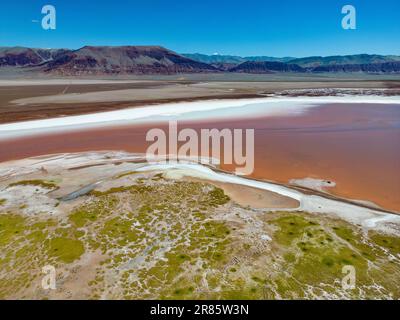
x: 167, y: 91
x: 253, y: 197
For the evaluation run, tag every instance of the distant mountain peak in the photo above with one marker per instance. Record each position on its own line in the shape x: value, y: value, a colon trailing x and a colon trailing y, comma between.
x: 125, y: 60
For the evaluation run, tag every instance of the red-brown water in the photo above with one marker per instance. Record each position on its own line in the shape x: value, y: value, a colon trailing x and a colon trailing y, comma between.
x: 355, y: 145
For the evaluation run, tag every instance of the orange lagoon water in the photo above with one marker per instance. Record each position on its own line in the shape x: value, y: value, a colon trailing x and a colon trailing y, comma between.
x: 355, y: 145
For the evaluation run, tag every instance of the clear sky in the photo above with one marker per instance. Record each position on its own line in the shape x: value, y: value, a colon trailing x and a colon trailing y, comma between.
x: 251, y: 27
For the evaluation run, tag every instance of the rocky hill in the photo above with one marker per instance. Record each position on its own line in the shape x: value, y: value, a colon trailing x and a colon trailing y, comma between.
x: 356, y: 59
x: 386, y: 67
x: 22, y: 57
x: 266, y: 67
x: 125, y: 60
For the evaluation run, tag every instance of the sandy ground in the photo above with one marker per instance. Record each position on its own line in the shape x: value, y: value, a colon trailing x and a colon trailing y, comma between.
x: 53, y: 82
x: 173, y: 91
x: 253, y: 197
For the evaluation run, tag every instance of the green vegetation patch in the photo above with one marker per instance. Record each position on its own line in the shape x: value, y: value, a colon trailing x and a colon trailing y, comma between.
x: 65, y: 249
x: 216, y: 197
x: 390, y: 243
x: 129, y: 173
x: 27, y: 244
x: 132, y: 189
x: 121, y: 230
x: 292, y: 227
x: 92, y: 211
x: 38, y: 183
x: 315, y: 251
x: 11, y: 226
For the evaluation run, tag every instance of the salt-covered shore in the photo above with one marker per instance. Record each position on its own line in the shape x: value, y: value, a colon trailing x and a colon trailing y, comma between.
x: 184, y: 111
x: 368, y: 218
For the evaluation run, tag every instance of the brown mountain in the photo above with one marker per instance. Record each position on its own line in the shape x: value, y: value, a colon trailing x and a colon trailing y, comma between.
x: 24, y: 57
x: 124, y: 60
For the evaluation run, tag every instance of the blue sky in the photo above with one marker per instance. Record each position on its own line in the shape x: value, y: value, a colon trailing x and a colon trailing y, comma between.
x: 251, y: 27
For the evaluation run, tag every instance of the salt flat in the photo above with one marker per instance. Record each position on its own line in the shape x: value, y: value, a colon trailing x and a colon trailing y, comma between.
x: 189, y: 111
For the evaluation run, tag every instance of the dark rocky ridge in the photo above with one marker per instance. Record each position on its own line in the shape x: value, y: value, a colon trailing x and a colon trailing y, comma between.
x: 270, y: 67
x: 316, y: 61
x: 266, y: 67
x: 229, y: 59
x: 386, y: 67
x: 23, y: 57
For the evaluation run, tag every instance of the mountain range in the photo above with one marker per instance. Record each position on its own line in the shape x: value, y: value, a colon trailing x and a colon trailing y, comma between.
x: 218, y: 58
x: 103, y: 60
